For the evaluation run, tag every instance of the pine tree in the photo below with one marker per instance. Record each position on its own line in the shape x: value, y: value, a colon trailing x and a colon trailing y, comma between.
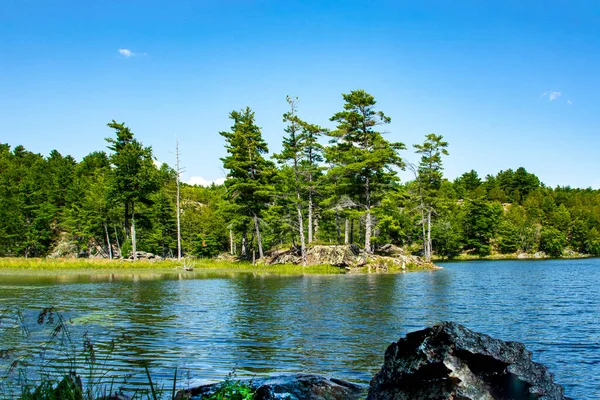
x: 250, y: 176
x: 361, y: 152
x: 134, y: 176
x: 429, y: 180
x: 301, y: 153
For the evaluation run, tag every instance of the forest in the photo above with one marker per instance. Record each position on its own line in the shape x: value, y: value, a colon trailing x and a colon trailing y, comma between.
x: 336, y: 186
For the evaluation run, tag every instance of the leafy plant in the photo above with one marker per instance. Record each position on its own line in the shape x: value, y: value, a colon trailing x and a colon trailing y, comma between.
x: 126, y: 249
x: 233, y: 389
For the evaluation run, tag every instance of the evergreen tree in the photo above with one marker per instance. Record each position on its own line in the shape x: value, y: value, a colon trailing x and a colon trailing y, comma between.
x: 480, y: 223
x: 429, y: 180
x: 361, y: 151
x: 134, y: 176
x: 250, y: 176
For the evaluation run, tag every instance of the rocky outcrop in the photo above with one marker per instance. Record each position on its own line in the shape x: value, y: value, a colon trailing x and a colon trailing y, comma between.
x: 349, y: 256
x: 292, y: 387
x: 449, y: 361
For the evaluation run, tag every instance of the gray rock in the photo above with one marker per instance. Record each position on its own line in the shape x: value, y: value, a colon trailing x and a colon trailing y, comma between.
x: 348, y: 256
x: 449, y: 361
x: 291, y: 387
x: 389, y: 250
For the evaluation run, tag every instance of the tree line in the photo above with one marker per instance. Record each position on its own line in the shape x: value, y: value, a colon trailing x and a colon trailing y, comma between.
x: 326, y: 186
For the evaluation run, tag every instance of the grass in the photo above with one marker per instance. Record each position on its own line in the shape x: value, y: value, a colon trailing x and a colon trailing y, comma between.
x: 57, y: 368
x: 87, y: 265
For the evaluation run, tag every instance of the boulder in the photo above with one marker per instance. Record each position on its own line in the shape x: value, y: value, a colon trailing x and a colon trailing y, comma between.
x: 143, y: 255
x: 349, y: 256
x: 336, y: 255
x: 449, y: 361
x: 291, y: 387
x: 389, y: 250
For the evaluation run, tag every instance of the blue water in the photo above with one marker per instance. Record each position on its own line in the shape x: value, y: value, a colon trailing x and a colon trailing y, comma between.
x: 340, y: 325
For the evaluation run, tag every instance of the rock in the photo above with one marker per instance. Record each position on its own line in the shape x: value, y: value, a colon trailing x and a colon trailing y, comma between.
x: 336, y: 255
x: 349, y: 257
x: 287, y: 256
x: 64, y: 248
x: 449, y: 361
x: 292, y: 387
x: 143, y: 255
x: 390, y: 250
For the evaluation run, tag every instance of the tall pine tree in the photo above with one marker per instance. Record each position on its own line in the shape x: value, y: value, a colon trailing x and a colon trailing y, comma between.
x: 250, y: 176
x: 361, y: 151
x: 429, y: 181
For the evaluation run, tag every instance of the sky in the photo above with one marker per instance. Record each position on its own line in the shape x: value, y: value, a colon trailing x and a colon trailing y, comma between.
x: 507, y: 83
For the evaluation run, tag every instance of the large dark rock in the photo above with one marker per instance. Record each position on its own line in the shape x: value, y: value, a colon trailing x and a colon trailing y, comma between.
x: 449, y: 361
x: 291, y: 387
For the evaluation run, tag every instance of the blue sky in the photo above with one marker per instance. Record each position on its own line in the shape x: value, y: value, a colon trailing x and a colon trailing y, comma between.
x: 507, y: 83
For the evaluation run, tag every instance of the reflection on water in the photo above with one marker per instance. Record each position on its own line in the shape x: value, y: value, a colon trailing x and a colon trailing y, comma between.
x: 210, y: 321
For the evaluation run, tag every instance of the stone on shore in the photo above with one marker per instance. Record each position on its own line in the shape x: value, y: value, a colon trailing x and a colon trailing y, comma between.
x: 449, y: 361
x: 291, y: 387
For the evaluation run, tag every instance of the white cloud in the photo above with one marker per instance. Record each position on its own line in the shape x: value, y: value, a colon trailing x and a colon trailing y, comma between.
x: 157, y: 163
x: 552, y: 94
x: 200, y: 181
x: 128, y: 53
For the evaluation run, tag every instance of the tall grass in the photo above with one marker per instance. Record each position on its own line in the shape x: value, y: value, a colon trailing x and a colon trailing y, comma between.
x: 76, y: 264
x: 61, y: 369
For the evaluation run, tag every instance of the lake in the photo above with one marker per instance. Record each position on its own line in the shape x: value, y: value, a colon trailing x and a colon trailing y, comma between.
x: 208, y: 322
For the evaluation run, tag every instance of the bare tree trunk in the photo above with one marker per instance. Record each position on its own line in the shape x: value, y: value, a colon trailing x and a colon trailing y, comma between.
x: 244, y: 243
x: 316, y: 227
x: 360, y: 231
x: 133, y: 239
x: 337, y: 225
x: 351, y: 231
x: 178, y: 171
x: 428, y: 257
x: 117, y: 238
x: 301, y: 229
x: 346, y: 232
x: 110, y: 254
x: 231, y: 249
x: 423, y: 226
x: 368, y: 217
x: 258, y: 238
x: 310, y: 217
x: 127, y: 227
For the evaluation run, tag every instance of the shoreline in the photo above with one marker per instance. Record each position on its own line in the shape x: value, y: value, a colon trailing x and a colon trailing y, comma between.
x: 10, y: 265
x: 510, y: 257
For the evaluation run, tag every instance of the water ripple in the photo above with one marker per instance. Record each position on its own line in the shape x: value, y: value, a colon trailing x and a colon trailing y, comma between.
x: 338, y: 325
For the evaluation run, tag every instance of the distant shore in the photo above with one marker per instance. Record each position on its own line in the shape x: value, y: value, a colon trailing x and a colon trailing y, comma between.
x: 511, y: 256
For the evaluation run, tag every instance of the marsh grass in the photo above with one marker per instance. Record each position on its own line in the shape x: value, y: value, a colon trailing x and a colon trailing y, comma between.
x: 87, y: 265
x: 60, y: 369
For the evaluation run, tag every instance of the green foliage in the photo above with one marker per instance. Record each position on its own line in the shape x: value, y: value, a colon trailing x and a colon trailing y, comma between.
x: 592, y: 244
x: 509, y: 238
x: 206, y: 246
x: 250, y: 176
x: 480, y: 224
x: 361, y: 155
x: 552, y: 241
x: 126, y: 248
x: 232, y: 389
x: 345, y: 189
